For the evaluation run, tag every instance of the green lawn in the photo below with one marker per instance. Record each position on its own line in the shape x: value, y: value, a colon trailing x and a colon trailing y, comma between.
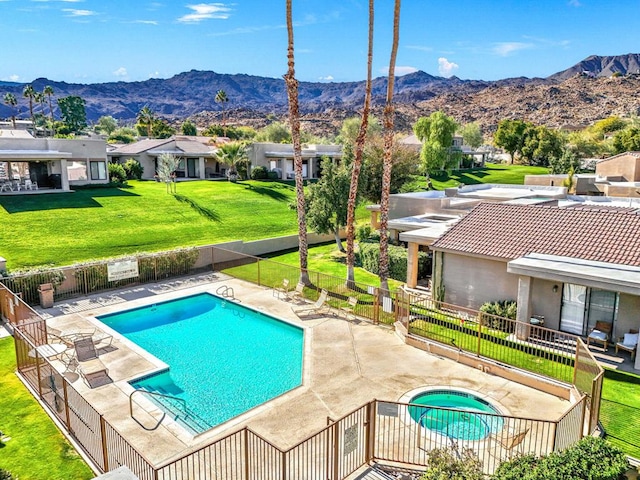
x: 37, y: 450
x: 620, y: 410
x: 88, y: 224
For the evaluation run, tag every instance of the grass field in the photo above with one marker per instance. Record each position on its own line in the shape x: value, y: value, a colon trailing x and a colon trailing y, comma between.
x: 620, y: 410
x: 37, y: 450
x: 88, y: 224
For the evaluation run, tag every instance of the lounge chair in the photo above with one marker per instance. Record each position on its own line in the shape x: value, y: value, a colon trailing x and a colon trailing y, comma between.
x: 88, y: 365
x: 320, y: 306
x: 281, y: 288
x: 297, y: 292
x: 628, y: 343
x: 600, y: 334
x: 350, y: 309
x: 505, y: 444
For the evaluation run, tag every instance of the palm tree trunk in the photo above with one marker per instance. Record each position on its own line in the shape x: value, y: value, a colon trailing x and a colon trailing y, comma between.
x: 387, y: 158
x: 357, y: 161
x: 294, y: 120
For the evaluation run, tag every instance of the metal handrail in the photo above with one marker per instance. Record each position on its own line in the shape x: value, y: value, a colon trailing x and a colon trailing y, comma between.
x: 183, y: 401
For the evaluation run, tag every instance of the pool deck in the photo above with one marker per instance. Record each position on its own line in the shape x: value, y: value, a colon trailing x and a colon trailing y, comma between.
x: 347, y: 363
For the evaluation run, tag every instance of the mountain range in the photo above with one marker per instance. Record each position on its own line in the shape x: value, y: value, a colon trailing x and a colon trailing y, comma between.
x: 594, y: 88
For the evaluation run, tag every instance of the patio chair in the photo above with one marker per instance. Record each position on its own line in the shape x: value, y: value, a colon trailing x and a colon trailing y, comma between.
x: 505, y: 444
x: 296, y: 292
x: 88, y: 365
x: 600, y: 334
x: 628, y: 343
x: 317, y: 308
x: 281, y: 288
x: 350, y: 309
x: 30, y: 185
x: 68, y: 337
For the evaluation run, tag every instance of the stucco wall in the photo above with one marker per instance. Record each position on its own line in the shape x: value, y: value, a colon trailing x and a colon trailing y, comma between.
x: 544, y: 301
x: 628, y: 315
x: 471, y: 281
x: 625, y: 166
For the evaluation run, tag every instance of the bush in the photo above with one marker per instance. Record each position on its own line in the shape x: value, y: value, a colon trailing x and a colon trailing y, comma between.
x: 5, y: 475
x: 364, y: 233
x: 259, y: 173
x: 450, y: 464
x: 589, y: 459
x: 369, y: 256
x: 133, y: 169
x: 273, y: 175
x: 117, y: 175
x: 499, y: 308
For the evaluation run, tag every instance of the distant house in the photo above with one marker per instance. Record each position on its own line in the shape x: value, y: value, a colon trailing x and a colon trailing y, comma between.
x: 479, y: 156
x: 49, y: 163
x: 197, y: 156
x: 574, y: 266
x: 278, y: 157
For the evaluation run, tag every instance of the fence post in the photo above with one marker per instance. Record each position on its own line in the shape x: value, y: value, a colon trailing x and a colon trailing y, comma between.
x: 376, y: 306
x: 480, y: 334
x: 260, y: 284
x: 284, y: 465
x: 336, y: 451
x: 367, y: 435
x: 66, y: 403
x: 103, y: 436
x: 247, y: 456
x: 38, y: 373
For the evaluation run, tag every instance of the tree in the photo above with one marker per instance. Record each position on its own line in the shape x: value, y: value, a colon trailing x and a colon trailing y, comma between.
x: 167, y: 165
x: 161, y: 129
x: 510, y: 136
x: 122, y: 135
x: 222, y: 99
x: 232, y: 154
x: 48, y: 92
x: 350, y: 129
x: 276, y: 132
x: 189, y: 128
x: 30, y: 93
x: 471, y: 134
x: 73, y: 113
x: 11, y: 100
x: 540, y: 143
x: 627, y: 140
x: 294, y: 121
x: 387, y: 156
x: 564, y: 163
x: 403, y: 166
x: 357, y: 162
x: 327, y: 200
x: 608, y: 125
x: 145, y: 119
x: 106, y: 124
x: 436, y: 134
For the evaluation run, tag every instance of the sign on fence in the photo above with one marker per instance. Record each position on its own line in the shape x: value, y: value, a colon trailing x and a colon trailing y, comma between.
x: 122, y: 269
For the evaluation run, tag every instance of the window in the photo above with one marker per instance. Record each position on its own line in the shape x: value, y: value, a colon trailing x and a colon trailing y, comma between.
x: 98, y: 170
x: 582, y: 307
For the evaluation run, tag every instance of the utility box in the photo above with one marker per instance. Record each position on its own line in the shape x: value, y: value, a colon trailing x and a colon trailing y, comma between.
x: 46, y: 295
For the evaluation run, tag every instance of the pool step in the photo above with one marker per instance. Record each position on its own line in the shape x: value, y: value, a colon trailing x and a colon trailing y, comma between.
x: 176, y: 410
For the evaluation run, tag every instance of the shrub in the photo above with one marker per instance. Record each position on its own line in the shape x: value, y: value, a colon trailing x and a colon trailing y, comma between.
x: 273, y: 175
x: 589, y: 459
x: 369, y: 256
x: 133, y: 168
x: 364, y: 233
x: 499, y: 308
x: 259, y: 173
x: 117, y: 175
x: 450, y: 464
x: 5, y: 475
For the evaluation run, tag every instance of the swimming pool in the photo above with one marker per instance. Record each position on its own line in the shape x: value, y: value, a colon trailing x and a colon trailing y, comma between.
x: 224, y: 359
x: 456, y: 414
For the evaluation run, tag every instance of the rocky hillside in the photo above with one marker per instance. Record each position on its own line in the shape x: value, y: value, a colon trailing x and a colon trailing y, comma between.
x: 571, y: 97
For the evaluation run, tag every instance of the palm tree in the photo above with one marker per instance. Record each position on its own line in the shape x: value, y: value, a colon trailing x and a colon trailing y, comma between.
x: 232, y: 154
x: 357, y: 162
x: 146, y: 117
x: 222, y: 98
x: 294, y: 120
x: 11, y: 100
x: 387, y: 157
x: 48, y: 91
x: 30, y: 93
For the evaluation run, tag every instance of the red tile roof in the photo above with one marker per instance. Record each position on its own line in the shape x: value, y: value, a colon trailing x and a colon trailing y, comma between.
x: 504, y: 231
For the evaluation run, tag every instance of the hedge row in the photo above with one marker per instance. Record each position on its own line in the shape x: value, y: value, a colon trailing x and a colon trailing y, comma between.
x: 370, y: 254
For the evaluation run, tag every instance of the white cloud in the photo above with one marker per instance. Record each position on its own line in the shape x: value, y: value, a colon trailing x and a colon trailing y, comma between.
x: 120, y: 72
x: 400, y: 70
x: 446, y: 68
x: 146, y: 22
x: 505, y: 49
x: 420, y: 48
x: 11, y: 78
x: 78, y: 13
x: 154, y: 74
x: 205, y: 11
x: 328, y: 78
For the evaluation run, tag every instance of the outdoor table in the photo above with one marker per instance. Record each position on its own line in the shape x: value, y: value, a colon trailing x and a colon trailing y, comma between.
x: 48, y: 350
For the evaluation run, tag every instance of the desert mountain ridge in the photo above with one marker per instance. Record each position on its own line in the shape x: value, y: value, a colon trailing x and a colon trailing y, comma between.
x: 596, y: 87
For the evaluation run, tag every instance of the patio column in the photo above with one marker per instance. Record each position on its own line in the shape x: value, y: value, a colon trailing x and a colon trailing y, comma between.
x: 524, y: 306
x: 412, y: 264
x: 201, y: 168
x: 64, y: 175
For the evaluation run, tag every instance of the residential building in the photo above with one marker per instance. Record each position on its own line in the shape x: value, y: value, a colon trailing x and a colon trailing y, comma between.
x: 278, y: 157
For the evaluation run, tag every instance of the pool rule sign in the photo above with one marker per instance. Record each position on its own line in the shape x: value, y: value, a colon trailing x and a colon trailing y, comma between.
x: 122, y: 269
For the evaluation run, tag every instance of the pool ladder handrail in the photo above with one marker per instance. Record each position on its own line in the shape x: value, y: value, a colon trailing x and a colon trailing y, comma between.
x: 226, y: 291
x: 158, y: 394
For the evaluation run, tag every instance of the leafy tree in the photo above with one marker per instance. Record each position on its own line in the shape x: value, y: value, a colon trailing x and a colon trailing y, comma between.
x: 326, y: 201
x: 403, y: 164
x: 122, y: 135
x: 608, y: 125
x: 106, y: 124
x: 189, y: 128
x: 471, y: 134
x: 276, y: 132
x: 145, y: 118
x: 133, y: 169
x: 167, y: 165
x: 584, y: 144
x: 627, y: 140
x: 11, y: 100
x: 351, y: 128
x: 232, y: 132
x: 162, y: 129
x: 117, y: 174
x: 73, y: 113
x: 436, y: 134
x: 232, y: 154
x: 567, y: 161
x: 30, y: 93
x: 510, y: 136
x: 540, y: 143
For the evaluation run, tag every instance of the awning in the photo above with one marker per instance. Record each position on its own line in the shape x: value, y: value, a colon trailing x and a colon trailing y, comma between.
x: 32, y: 155
x: 606, y: 276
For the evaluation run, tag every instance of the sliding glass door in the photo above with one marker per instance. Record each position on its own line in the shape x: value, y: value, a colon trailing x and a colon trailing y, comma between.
x: 582, y: 307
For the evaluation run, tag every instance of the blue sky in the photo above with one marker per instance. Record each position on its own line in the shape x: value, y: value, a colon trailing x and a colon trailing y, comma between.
x: 91, y: 41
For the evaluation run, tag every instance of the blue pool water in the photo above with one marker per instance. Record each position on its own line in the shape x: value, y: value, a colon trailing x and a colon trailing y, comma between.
x: 224, y: 359
x: 458, y: 415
